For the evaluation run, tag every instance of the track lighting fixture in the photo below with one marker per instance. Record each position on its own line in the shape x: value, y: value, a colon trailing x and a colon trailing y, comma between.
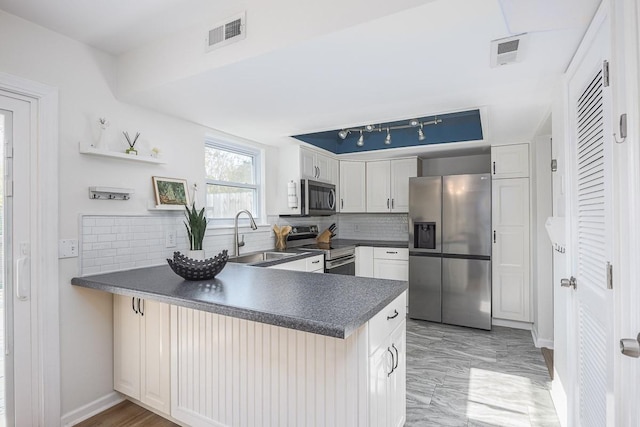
x: 387, y: 139
x: 342, y: 134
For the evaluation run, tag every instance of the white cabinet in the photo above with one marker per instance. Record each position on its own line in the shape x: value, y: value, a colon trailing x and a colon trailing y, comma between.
x: 388, y: 184
x: 313, y: 264
x: 510, y: 161
x: 352, y: 187
x: 510, y: 253
x: 387, y: 370
x: 364, y: 261
x: 141, y: 344
x: 316, y: 166
x: 391, y: 263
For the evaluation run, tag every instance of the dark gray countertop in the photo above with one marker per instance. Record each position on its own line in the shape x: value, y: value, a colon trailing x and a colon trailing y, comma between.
x: 324, y: 304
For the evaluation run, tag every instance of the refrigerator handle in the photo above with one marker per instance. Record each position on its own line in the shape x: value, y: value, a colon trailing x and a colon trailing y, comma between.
x: 494, y: 168
x: 494, y: 236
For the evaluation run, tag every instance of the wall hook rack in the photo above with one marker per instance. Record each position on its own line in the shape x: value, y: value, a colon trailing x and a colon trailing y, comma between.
x: 110, y: 193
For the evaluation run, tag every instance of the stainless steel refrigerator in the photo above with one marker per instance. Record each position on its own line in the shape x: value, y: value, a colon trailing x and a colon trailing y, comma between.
x: 450, y: 249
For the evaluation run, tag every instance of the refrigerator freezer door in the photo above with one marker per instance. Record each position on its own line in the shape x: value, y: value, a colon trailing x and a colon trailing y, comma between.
x: 466, y: 292
x: 425, y: 210
x: 425, y: 279
x: 466, y: 213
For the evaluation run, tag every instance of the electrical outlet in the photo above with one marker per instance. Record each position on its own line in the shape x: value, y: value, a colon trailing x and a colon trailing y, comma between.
x: 356, y: 227
x: 170, y: 239
x: 67, y: 248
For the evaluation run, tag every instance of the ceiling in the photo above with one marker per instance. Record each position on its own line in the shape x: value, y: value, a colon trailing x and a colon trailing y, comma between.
x: 432, y: 57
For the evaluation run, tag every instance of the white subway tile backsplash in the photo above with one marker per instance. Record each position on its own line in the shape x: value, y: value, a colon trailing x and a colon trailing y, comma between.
x: 111, y: 243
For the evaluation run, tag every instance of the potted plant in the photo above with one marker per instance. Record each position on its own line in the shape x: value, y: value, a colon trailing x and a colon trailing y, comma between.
x: 196, y: 224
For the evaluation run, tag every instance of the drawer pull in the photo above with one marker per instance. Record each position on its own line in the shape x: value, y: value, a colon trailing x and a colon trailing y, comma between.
x: 315, y: 262
x: 394, y: 315
x: 392, y: 252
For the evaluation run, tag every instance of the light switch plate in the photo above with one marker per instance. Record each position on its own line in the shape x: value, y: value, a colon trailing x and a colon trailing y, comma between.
x: 67, y: 248
x: 170, y: 239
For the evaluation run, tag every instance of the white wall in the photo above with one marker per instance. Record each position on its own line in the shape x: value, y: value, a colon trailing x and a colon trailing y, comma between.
x: 541, y: 251
x: 86, y: 79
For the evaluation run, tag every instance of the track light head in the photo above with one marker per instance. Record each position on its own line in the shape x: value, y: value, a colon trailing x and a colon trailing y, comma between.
x: 387, y: 139
x: 414, y: 122
x: 421, y: 136
x: 343, y: 134
x: 360, y: 142
x: 369, y: 128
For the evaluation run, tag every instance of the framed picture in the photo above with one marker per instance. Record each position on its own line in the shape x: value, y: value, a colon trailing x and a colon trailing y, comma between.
x: 170, y: 191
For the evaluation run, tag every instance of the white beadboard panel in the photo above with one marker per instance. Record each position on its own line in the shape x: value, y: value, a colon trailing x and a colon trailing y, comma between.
x: 111, y: 243
x: 233, y: 372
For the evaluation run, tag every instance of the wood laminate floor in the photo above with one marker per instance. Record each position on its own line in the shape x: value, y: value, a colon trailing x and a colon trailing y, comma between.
x: 455, y: 377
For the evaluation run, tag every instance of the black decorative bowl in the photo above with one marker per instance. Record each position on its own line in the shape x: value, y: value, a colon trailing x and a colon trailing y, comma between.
x: 191, y: 269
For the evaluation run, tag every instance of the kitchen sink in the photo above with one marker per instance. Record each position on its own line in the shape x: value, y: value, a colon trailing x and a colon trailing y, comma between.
x: 260, y: 257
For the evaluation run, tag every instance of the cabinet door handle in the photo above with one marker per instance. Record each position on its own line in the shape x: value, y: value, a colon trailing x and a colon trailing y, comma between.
x: 397, y: 356
x: 387, y: 203
x: 393, y: 203
x: 494, y: 168
x: 395, y: 314
x: 494, y: 236
x: 141, y: 307
x: 341, y: 203
x: 392, y: 362
x: 133, y: 305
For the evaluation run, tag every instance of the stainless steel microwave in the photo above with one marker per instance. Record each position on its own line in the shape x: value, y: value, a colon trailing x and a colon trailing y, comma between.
x: 317, y: 198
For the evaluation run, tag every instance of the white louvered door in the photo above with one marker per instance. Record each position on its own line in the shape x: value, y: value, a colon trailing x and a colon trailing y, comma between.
x: 592, y: 235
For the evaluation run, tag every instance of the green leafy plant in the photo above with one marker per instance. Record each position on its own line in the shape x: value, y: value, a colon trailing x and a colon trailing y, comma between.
x: 196, y: 224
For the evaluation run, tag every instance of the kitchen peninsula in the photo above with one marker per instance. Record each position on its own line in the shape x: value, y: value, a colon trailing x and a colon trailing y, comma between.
x: 259, y: 346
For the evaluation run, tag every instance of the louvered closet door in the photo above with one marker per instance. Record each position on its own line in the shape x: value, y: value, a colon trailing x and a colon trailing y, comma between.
x: 590, y: 145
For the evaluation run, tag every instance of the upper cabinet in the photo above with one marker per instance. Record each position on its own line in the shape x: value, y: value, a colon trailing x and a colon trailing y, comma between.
x: 388, y: 184
x: 352, y: 187
x: 510, y: 161
x: 316, y: 166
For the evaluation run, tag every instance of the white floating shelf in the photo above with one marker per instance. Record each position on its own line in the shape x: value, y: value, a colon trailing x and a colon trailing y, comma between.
x: 153, y: 207
x: 116, y: 155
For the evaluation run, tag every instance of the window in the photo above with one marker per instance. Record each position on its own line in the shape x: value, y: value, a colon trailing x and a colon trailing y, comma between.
x: 232, y: 177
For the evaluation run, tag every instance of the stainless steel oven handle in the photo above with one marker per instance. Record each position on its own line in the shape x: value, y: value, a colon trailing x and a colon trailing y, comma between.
x: 340, y: 262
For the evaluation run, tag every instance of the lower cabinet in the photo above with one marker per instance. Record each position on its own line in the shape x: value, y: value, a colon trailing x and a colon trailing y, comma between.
x: 228, y: 371
x: 387, y: 374
x: 141, y: 346
x: 391, y: 263
x: 313, y: 264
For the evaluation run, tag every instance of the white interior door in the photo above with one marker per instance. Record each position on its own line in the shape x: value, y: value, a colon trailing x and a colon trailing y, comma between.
x: 21, y: 365
x: 591, y: 249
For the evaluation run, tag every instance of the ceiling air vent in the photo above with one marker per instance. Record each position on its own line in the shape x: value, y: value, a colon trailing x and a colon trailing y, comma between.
x: 229, y: 31
x: 507, y: 51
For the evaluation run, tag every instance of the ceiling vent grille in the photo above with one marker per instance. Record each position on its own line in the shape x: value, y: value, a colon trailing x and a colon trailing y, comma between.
x: 508, y: 50
x: 229, y: 31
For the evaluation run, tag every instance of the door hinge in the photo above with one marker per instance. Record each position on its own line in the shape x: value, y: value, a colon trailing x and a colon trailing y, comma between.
x: 554, y: 165
x: 609, y: 276
x: 605, y: 73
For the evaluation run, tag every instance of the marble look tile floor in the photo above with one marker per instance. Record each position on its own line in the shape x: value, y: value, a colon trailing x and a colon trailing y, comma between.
x: 467, y: 377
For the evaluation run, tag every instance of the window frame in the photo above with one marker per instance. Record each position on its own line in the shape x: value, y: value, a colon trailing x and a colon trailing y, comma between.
x: 243, y: 150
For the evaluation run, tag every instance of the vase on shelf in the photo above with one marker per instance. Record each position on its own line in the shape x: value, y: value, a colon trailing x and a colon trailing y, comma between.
x: 131, y: 151
x: 100, y: 143
x: 197, y: 255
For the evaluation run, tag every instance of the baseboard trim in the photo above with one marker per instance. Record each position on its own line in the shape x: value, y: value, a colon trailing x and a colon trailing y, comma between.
x: 90, y: 409
x: 511, y: 324
x: 559, y: 398
x: 540, y: 342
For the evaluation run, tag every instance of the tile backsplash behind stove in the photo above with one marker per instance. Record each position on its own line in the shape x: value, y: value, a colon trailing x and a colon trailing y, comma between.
x: 356, y: 226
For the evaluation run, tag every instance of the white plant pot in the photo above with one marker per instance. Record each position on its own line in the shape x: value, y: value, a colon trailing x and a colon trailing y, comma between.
x: 197, y: 255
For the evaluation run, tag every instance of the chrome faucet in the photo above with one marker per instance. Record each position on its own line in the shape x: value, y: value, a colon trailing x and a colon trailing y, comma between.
x: 236, y: 243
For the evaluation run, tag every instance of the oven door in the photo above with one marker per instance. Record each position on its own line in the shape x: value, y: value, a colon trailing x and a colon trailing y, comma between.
x: 345, y: 265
